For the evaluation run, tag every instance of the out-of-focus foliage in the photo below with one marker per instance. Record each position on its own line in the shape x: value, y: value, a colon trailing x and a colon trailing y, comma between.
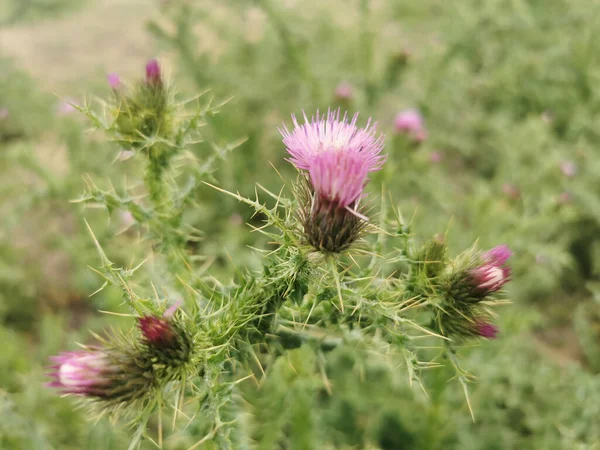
x: 508, y: 91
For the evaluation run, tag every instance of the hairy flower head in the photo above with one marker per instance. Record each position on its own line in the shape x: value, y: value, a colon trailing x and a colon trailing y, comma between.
x: 337, y: 154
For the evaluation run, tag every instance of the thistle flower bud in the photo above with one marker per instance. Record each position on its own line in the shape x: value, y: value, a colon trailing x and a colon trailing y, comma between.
x: 486, y: 330
x: 157, y: 332
x: 113, y: 80
x: 99, y: 373
x: 410, y: 122
x: 153, y: 75
x: 338, y: 157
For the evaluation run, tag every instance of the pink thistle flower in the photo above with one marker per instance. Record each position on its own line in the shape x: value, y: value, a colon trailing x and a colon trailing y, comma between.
x: 486, y: 330
x: 344, y: 91
x: 83, y: 372
x: 568, y: 168
x: 113, y: 80
x: 337, y: 154
x: 410, y: 122
x: 153, y: 75
x: 157, y: 332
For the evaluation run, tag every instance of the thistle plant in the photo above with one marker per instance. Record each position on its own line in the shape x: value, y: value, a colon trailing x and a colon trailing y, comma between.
x: 337, y: 274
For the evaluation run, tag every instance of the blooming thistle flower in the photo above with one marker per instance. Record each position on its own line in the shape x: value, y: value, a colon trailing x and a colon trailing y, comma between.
x: 493, y: 274
x: 410, y: 122
x: 486, y: 330
x: 338, y: 157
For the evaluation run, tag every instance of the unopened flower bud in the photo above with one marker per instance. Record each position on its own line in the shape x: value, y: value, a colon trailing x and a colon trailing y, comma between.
x: 157, y: 332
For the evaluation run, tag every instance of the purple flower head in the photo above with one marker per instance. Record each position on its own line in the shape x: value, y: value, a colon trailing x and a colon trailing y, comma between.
x: 411, y: 122
x: 568, y: 168
x: 82, y: 372
x: 344, y: 91
x: 486, y: 330
x: 153, y: 76
x: 336, y: 153
x: 113, y: 80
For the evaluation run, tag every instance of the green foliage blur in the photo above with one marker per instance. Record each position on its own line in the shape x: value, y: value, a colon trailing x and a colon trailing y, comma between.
x: 509, y: 94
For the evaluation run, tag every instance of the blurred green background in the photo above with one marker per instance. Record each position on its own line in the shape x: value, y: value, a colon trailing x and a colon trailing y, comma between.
x: 510, y: 94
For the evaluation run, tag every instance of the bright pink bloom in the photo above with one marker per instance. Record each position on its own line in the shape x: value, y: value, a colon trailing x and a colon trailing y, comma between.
x: 486, y: 330
x: 153, y: 76
x: 114, y: 80
x: 82, y: 372
x: 411, y: 122
x: 337, y: 154
x: 156, y: 331
x: 344, y: 91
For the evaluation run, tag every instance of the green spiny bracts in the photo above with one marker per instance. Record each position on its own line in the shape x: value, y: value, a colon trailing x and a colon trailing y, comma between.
x: 430, y: 260
x: 145, y: 118
x: 326, y: 226
x: 168, y: 345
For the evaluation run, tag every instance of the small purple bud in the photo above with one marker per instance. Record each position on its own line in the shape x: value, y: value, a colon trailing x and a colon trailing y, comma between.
x: 486, y: 330
x: 153, y: 76
x: 344, y: 91
x: 568, y: 168
x: 157, y: 332
x: 113, y: 80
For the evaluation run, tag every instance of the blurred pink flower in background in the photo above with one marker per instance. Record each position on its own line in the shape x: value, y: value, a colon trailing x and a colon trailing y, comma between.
x: 410, y: 122
x: 568, y: 168
x: 344, y: 91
